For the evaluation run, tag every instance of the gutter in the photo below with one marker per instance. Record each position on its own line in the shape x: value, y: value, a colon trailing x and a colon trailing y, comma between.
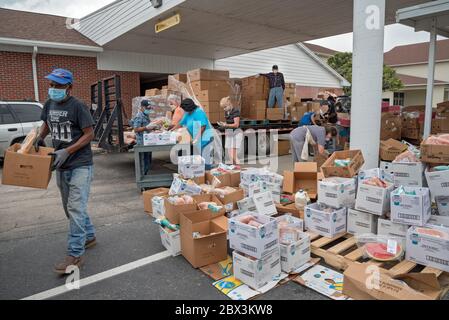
x: 343, y: 81
x: 35, y: 82
x: 47, y: 44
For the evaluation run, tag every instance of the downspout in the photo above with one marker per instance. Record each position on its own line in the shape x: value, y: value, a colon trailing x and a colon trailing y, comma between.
x: 36, y: 86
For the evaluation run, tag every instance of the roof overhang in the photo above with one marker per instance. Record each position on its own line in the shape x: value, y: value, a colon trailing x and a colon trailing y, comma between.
x: 220, y: 29
x: 420, y: 16
x: 50, y: 45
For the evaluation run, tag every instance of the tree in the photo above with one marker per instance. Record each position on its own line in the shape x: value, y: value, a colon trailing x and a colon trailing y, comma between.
x: 342, y: 63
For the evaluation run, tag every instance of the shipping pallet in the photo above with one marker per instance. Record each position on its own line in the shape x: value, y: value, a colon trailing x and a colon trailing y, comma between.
x: 342, y: 251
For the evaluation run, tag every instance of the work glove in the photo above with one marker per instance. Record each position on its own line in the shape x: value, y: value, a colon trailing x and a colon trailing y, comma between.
x: 59, y: 158
x: 39, y: 142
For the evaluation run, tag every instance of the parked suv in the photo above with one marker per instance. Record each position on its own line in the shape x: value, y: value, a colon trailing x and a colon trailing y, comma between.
x: 16, y: 121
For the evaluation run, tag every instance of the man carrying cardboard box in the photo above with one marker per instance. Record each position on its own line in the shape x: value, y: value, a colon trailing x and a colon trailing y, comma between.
x: 71, y: 126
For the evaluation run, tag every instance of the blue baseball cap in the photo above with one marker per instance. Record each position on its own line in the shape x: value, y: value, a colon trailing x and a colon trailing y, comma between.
x: 60, y: 76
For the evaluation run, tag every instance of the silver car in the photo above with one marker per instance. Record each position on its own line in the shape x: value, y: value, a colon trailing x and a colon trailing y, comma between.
x: 16, y: 121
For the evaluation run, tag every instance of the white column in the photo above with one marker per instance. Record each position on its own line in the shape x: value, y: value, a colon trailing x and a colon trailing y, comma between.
x: 367, y: 73
x: 430, y: 79
x: 35, y: 80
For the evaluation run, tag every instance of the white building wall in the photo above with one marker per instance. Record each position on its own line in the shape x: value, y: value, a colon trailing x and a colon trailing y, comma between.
x: 296, y: 65
x: 143, y: 62
x: 420, y: 70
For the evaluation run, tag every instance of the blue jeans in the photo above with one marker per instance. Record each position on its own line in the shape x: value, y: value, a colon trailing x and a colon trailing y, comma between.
x: 145, y: 160
x: 276, y: 94
x: 74, y: 186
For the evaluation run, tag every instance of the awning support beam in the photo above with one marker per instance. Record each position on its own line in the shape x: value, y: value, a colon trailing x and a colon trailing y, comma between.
x: 430, y: 78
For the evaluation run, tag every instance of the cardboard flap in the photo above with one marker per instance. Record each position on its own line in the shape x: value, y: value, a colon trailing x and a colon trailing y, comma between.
x: 392, y: 144
x: 306, y: 167
x: 420, y: 279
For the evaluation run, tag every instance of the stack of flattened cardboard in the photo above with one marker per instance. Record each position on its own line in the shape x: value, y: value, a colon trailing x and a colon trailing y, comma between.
x: 209, y: 87
x: 254, y: 97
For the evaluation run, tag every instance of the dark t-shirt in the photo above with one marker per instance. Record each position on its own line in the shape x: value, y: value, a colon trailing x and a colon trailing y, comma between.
x: 66, y: 122
x: 230, y: 115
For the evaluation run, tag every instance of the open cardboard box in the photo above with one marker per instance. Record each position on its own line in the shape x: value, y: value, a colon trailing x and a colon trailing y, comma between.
x: 149, y: 195
x: 27, y: 170
x: 211, y: 246
x: 431, y: 153
x: 330, y: 170
x: 390, y: 149
x: 210, y: 198
x: 304, y: 177
x: 173, y: 212
x: 409, y: 286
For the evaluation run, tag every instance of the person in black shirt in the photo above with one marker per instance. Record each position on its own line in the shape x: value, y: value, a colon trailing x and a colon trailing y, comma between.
x: 234, y: 136
x: 70, y: 125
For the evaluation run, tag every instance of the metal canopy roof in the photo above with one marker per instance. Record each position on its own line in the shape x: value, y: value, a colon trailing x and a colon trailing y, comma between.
x: 220, y: 29
x: 420, y: 16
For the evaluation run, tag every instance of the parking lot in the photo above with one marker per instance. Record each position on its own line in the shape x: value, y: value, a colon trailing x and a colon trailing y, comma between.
x: 33, y: 233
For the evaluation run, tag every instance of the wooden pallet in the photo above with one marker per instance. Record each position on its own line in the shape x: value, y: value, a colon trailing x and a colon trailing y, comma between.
x: 342, y: 251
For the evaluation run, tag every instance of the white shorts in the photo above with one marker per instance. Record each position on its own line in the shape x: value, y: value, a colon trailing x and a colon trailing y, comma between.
x: 234, y: 140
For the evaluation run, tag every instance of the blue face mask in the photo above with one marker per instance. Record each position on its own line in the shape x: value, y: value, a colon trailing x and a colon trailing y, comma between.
x: 57, y: 95
x: 147, y: 112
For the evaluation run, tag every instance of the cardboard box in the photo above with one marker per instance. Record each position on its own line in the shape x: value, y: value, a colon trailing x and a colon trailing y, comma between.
x: 180, y: 186
x: 391, y: 229
x: 428, y: 250
x: 257, y: 273
x: 152, y: 92
x: 258, y: 187
x: 275, y: 113
x: 191, y: 166
x: 431, y: 153
x: 295, y: 255
x: 390, y: 149
x: 330, y: 170
x: 214, y: 85
x: 438, y: 182
x: 158, y: 206
x: 159, y: 139
x: 373, y: 199
x: 211, y: 95
x: 247, y: 205
x: 210, y: 198
x: 290, y: 209
x: 210, y: 247
x: 255, y: 242
x: 212, y: 107
x: 181, y: 77
x: 304, y: 177
x: 232, y: 198
x: 148, y: 196
x: 210, y: 75
x: 413, y: 210
x: 408, y: 174
x: 440, y: 125
x: 337, y: 192
x: 173, y: 212
x: 27, y: 170
x: 171, y: 240
x: 264, y: 204
x: 361, y: 222
x: 408, y: 286
x: 323, y: 223
x: 443, y: 205
x: 283, y: 147
x: 391, y: 127
x: 438, y: 221
x: 225, y: 179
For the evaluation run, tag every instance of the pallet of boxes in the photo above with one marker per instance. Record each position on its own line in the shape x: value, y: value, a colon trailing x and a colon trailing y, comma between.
x: 413, y: 123
x: 389, y: 224
x: 255, y: 92
x: 440, y: 124
x: 209, y: 87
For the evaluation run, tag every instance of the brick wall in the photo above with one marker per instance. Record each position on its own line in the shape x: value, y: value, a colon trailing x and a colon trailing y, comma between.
x: 312, y: 92
x: 16, y: 77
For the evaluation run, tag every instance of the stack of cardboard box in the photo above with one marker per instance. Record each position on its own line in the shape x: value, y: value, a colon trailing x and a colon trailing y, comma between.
x: 441, y: 122
x: 254, y: 97
x: 412, y: 122
x: 390, y: 126
x: 209, y: 87
x: 297, y: 110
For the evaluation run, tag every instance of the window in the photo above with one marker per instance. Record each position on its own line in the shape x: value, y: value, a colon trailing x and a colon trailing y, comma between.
x: 27, y: 112
x: 446, y: 94
x: 398, y: 99
x: 6, y: 116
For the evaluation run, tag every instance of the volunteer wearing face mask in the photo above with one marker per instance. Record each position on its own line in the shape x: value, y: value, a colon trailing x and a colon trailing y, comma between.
x: 197, y: 124
x: 70, y: 124
x: 141, y: 124
x: 177, y: 113
x: 234, y: 138
x: 302, y: 137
